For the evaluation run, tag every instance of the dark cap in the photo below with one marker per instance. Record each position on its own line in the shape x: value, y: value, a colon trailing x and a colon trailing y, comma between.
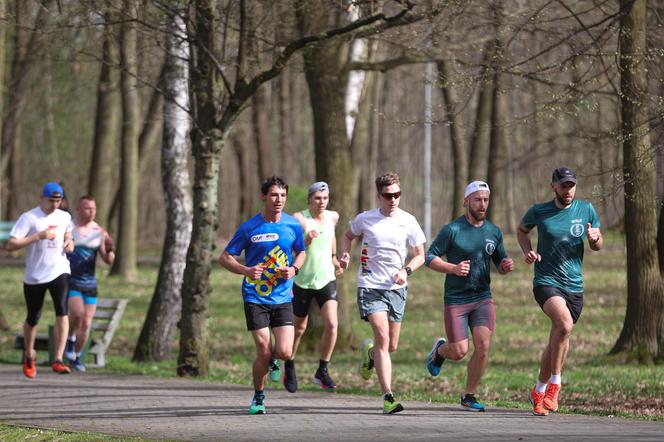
x: 53, y: 190
x: 563, y: 175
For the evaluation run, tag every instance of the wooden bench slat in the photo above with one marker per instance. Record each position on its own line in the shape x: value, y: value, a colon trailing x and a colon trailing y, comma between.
x: 104, y: 314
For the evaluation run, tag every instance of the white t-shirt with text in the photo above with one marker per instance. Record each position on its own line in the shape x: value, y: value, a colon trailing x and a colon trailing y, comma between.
x: 385, y: 245
x: 45, y: 259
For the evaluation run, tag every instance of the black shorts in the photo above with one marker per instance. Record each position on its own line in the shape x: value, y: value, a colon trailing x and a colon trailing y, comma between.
x: 34, y: 297
x: 302, y: 297
x: 268, y: 315
x: 574, y: 301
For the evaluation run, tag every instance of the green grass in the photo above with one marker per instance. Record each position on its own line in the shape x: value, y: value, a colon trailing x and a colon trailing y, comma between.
x: 12, y: 433
x: 592, y: 382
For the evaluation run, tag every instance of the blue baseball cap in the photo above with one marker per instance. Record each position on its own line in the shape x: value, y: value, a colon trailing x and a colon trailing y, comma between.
x: 53, y: 190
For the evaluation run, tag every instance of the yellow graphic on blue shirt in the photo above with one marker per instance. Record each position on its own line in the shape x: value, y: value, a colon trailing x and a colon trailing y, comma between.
x: 275, y: 258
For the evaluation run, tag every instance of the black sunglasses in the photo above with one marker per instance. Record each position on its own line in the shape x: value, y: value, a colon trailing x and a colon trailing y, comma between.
x: 391, y: 196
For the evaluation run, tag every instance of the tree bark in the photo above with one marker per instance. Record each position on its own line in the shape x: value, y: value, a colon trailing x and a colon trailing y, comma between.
x: 157, y: 336
x: 642, y: 336
x: 105, y: 146
x: 454, y: 121
x: 125, y: 262
x: 479, y: 147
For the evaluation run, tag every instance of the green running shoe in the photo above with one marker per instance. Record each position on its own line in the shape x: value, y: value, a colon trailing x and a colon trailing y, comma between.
x: 274, y: 371
x: 390, y: 406
x: 366, y: 364
x: 257, y: 405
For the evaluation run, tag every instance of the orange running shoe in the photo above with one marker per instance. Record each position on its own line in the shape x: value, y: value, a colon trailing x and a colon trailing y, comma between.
x: 59, y: 367
x: 536, y: 400
x: 29, y: 368
x: 551, y: 397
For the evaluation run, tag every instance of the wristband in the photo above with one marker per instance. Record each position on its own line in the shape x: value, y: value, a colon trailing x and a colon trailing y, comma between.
x: 297, y: 269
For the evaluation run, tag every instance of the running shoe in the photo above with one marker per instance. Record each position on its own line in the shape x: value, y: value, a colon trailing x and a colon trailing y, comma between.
x: 322, y: 378
x: 257, y: 404
x: 470, y: 403
x: 536, y: 400
x: 366, y: 364
x: 29, y: 368
x: 70, y: 351
x: 78, y: 365
x: 275, y: 370
x: 550, y: 401
x: 434, y: 360
x: 290, y: 378
x: 391, y: 406
x: 59, y: 367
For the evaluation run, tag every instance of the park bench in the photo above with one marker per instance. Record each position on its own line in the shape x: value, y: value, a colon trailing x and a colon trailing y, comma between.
x: 104, y: 324
x: 5, y: 228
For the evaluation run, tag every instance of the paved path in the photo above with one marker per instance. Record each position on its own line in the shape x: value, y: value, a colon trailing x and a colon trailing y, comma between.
x: 182, y: 409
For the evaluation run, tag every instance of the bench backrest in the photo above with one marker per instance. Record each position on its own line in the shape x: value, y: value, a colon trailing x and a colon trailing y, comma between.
x: 107, y: 318
x: 5, y: 228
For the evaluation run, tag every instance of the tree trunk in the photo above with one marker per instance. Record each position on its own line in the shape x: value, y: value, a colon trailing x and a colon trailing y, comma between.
x: 642, y: 336
x: 125, y: 262
x: 327, y: 80
x: 479, y: 148
x: 157, y: 336
x: 103, y: 167
x: 261, y: 131
x: 207, y: 143
x: 246, y: 171
x: 454, y: 121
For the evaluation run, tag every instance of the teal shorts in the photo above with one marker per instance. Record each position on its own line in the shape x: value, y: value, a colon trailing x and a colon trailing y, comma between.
x: 87, y: 299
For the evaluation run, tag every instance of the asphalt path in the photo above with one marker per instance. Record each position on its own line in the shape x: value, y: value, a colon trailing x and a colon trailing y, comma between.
x: 185, y: 409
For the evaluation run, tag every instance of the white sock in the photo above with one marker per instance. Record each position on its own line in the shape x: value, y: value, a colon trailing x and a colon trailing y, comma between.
x: 555, y: 379
x: 78, y: 355
x: 72, y: 338
x: 540, y: 387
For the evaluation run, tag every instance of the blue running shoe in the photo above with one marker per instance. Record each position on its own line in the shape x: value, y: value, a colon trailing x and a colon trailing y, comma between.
x: 434, y: 360
x: 78, y: 365
x: 469, y: 403
x: 70, y: 351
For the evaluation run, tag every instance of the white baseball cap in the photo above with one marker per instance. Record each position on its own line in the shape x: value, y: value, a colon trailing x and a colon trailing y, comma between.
x: 476, y: 186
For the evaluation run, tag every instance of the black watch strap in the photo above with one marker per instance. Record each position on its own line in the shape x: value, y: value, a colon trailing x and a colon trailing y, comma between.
x: 408, y: 270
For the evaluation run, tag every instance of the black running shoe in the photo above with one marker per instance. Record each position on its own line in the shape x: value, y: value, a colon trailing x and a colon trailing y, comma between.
x: 290, y: 378
x: 322, y: 378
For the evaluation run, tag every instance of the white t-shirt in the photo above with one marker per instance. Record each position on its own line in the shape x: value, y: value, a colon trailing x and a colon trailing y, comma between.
x: 45, y: 259
x: 385, y: 245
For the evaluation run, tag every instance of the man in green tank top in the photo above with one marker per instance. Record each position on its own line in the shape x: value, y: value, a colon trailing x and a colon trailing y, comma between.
x: 470, y: 243
x: 316, y: 280
x: 558, y: 284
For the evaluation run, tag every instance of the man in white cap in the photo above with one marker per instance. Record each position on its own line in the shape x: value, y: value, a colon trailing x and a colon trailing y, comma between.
x: 45, y: 232
x: 316, y: 280
x: 469, y: 243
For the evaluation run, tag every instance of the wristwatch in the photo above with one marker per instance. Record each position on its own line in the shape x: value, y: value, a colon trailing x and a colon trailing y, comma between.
x: 297, y: 269
x: 408, y: 270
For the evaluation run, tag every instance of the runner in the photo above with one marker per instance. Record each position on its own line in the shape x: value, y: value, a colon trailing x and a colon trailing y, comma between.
x: 89, y: 238
x: 558, y: 284
x: 469, y: 242
x: 316, y: 280
x: 273, y: 247
x: 45, y: 232
x: 388, y: 232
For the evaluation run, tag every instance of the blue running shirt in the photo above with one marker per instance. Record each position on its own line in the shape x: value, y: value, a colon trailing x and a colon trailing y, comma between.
x: 83, y: 260
x: 560, y: 237
x: 270, y: 244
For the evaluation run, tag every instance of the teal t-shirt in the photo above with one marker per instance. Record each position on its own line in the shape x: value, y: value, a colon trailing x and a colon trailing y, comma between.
x: 461, y: 241
x: 560, y: 236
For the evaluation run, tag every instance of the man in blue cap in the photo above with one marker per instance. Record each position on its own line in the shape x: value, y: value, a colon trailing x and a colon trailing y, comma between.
x: 45, y: 233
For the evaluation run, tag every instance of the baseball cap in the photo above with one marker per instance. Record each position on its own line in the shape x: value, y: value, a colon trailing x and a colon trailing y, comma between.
x: 53, y: 190
x: 563, y: 175
x: 476, y: 186
x: 319, y: 186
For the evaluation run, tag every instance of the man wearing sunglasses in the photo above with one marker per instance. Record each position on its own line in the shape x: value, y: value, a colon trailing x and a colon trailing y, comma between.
x: 388, y: 233
x: 45, y: 232
x: 469, y: 243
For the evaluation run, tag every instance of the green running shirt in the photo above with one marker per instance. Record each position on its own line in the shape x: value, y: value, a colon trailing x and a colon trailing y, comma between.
x: 460, y: 241
x: 560, y: 236
x: 318, y: 269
